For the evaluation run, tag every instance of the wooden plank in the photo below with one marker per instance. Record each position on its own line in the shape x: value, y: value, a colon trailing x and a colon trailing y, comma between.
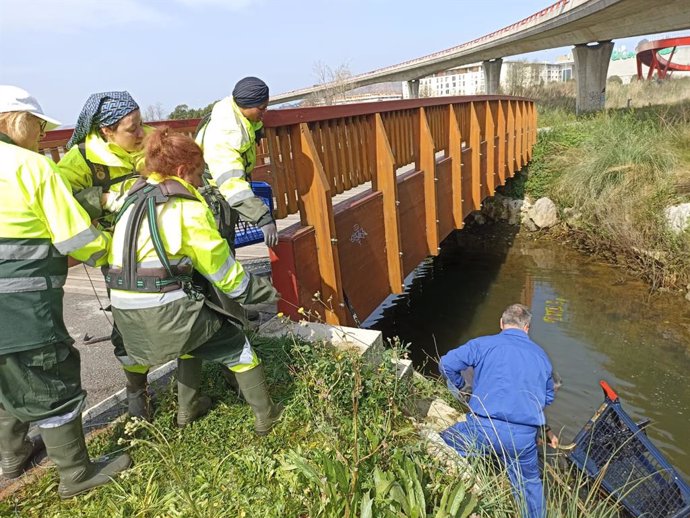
x: 444, y: 198
x: 317, y: 135
x: 344, y: 168
x: 480, y: 107
x: 295, y: 274
x: 357, y: 151
x: 525, y: 124
x: 315, y: 193
x: 293, y: 203
x: 368, y: 160
x: 525, y: 133
x: 455, y: 155
x: 351, y: 169
x: 320, y: 136
x: 427, y: 164
x: 490, y: 138
x: 334, y: 174
x: 501, y: 142
x: 397, y: 141
x: 278, y: 172
x: 518, y: 136
x: 467, y: 184
x: 412, y: 219
x: 360, y: 223
x: 409, y: 134
x: 535, y: 117
x: 386, y: 183
x: 475, y: 144
x: 288, y: 116
x: 510, y: 123
x: 484, y: 185
x: 533, y: 129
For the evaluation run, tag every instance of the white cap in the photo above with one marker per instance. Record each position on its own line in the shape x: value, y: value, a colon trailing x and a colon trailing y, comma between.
x: 15, y: 99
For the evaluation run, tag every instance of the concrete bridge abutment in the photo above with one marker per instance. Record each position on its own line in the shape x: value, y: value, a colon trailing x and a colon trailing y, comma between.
x: 413, y: 88
x: 591, y: 67
x: 492, y: 75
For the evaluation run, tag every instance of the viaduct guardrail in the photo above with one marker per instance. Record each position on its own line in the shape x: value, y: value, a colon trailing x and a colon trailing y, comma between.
x: 429, y: 163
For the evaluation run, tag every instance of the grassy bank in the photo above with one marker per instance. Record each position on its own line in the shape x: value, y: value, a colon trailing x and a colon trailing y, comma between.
x: 612, y: 175
x: 345, y: 448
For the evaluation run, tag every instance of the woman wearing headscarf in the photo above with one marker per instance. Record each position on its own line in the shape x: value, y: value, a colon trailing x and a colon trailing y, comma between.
x: 40, y: 373
x: 105, y: 149
x: 164, y: 235
x: 104, y: 155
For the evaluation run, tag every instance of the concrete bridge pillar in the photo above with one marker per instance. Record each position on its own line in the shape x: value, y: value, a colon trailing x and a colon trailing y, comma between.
x: 492, y: 75
x: 591, y: 67
x: 413, y: 89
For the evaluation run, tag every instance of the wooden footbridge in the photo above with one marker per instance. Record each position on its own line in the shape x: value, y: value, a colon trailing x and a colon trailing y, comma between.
x: 418, y: 168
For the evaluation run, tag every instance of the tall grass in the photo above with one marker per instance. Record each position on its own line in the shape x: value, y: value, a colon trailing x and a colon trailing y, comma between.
x: 617, y: 171
x: 346, y: 447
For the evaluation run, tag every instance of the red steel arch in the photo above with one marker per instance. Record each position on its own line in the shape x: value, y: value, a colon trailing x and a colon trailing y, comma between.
x: 648, y: 54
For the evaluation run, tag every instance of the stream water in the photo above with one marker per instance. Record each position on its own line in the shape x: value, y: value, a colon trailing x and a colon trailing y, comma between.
x: 595, y: 322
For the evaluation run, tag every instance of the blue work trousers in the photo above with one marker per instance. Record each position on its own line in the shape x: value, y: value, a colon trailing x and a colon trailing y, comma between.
x: 515, y: 445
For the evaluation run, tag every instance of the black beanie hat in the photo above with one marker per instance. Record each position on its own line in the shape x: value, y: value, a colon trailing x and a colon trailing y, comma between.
x: 250, y: 92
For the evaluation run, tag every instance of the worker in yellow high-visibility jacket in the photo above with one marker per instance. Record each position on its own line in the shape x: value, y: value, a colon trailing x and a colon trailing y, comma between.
x: 40, y: 382
x: 105, y: 155
x: 164, y: 235
x: 229, y: 138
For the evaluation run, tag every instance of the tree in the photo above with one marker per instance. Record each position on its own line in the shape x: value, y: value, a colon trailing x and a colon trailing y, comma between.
x: 154, y: 112
x: 334, y: 83
x: 425, y: 90
x: 182, y: 111
x: 521, y: 76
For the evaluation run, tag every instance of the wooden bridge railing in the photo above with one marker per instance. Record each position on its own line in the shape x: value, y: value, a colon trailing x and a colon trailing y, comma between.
x: 429, y: 162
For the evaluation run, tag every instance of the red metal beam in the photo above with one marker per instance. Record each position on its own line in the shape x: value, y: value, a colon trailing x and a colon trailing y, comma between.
x: 648, y: 55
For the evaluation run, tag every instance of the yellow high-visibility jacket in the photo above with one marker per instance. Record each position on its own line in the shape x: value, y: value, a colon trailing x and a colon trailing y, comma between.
x: 229, y: 143
x: 119, y: 162
x: 160, y: 326
x: 40, y: 224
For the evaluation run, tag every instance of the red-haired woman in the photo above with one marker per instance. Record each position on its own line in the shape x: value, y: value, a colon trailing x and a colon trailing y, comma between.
x: 164, y: 235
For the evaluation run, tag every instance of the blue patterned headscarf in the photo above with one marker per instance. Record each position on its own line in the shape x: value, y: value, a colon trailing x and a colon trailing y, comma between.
x: 101, y: 110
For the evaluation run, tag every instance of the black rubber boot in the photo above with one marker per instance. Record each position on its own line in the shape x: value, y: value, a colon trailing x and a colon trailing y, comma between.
x: 191, y: 405
x: 66, y: 447
x: 231, y: 380
x: 16, y: 449
x: 255, y: 392
x: 138, y: 402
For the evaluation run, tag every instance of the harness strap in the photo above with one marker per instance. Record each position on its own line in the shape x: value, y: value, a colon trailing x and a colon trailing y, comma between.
x: 100, y: 173
x: 143, y: 197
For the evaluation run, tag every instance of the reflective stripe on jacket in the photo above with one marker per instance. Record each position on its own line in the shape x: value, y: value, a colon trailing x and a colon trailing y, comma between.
x: 229, y: 144
x: 40, y: 223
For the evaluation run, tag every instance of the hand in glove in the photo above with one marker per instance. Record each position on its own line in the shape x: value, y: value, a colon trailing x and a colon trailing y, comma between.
x: 270, y: 234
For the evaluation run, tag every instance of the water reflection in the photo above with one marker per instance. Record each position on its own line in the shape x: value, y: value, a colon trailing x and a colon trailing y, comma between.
x: 594, y: 321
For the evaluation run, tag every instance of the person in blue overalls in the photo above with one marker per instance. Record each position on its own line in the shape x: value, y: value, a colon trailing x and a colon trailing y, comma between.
x: 513, y: 382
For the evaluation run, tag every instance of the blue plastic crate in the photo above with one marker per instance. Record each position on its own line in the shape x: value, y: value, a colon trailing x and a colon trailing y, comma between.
x: 615, y: 450
x: 247, y: 233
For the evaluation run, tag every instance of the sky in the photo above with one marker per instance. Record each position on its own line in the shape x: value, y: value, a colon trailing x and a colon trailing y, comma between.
x: 192, y: 52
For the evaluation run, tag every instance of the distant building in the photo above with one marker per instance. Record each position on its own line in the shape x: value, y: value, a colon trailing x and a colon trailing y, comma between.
x: 469, y: 79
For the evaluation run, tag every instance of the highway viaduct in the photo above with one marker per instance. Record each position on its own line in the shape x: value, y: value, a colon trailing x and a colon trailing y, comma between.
x: 588, y: 25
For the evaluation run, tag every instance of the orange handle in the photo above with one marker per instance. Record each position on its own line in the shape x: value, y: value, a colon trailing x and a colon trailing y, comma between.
x: 608, y: 391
